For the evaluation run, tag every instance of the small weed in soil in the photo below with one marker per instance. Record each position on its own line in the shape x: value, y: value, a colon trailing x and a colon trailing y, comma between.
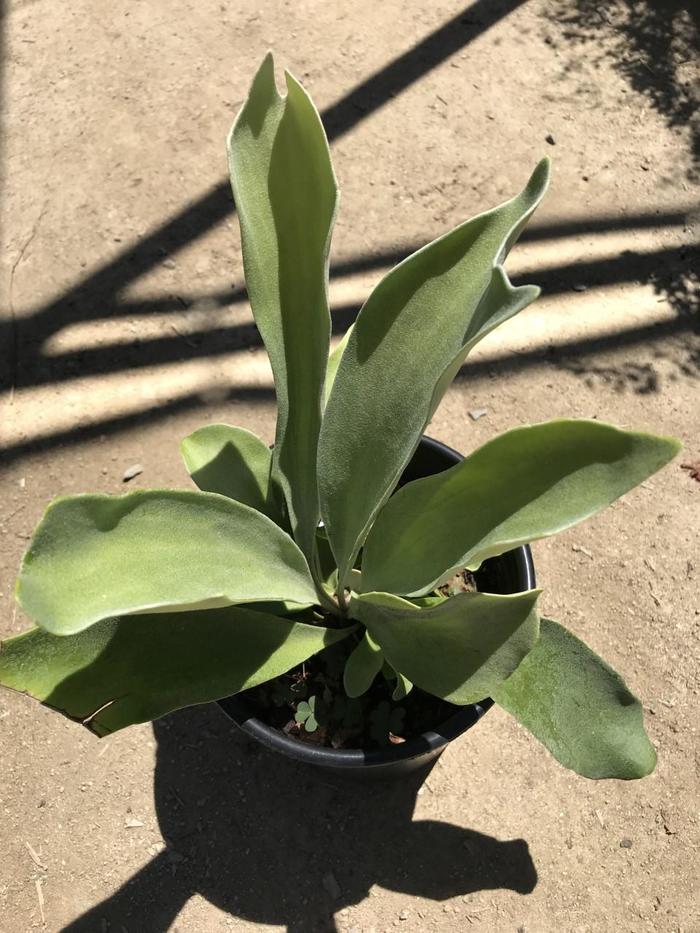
x: 310, y: 704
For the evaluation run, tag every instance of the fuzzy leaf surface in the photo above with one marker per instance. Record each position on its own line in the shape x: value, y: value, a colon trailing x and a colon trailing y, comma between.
x: 97, y: 556
x: 286, y: 195
x: 579, y: 708
x: 129, y: 670
x: 528, y: 483
x: 232, y: 462
x: 460, y: 650
x: 409, y: 338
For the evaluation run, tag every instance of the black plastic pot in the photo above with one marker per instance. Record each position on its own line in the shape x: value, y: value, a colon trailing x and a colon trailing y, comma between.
x: 512, y: 572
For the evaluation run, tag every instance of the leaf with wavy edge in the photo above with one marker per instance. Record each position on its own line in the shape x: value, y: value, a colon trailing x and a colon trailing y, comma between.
x: 409, y: 338
x: 578, y: 707
x: 96, y: 556
x: 137, y: 668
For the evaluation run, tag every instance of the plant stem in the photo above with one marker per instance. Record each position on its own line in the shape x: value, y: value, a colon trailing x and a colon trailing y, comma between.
x: 342, y: 601
x: 324, y: 598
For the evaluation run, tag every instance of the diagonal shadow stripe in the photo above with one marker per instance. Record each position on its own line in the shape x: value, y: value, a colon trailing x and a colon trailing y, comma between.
x: 507, y: 363
x: 220, y: 341
x: 211, y: 208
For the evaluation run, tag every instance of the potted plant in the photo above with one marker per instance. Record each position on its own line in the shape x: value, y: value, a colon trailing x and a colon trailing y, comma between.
x: 354, y: 610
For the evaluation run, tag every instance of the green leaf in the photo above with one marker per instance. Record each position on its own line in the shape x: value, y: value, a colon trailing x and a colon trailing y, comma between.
x: 306, y: 714
x: 579, y: 708
x: 460, y: 650
x: 96, y: 556
x: 362, y: 666
x: 409, y: 339
x: 286, y: 195
x: 233, y: 462
x: 334, y: 362
x: 137, y: 668
x: 403, y: 684
x: 500, y: 302
x: 528, y: 483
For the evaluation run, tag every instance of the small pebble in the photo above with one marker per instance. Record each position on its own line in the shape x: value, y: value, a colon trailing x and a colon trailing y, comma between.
x: 404, y: 915
x: 477, y: 413
x: 550, y: 139
x: 625, y: 843
x: 579, y: 287
x: 131, y: 472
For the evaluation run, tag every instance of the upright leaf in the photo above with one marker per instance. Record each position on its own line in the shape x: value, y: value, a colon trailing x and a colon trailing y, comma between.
x: 96, y: 556
x: 410, y: 337
x: 286, y: 196
x: 460, y: 650
x: 129, y: 670
x: 233, y: 462
x: 579, y: 708
x: 526, y: 484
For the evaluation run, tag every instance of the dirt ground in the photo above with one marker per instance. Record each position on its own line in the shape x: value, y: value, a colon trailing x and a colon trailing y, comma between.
x: 124, y: 327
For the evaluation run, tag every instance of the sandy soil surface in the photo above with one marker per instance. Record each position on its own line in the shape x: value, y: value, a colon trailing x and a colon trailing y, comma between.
x: 124, y: 326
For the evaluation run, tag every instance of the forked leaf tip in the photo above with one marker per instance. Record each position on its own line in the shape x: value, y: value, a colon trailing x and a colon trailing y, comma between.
x: 263, y: 84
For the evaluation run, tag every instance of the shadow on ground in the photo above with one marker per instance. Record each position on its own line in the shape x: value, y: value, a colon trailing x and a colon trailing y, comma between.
x: 645, y: 32
x: 272, y: 842
x: 654, y: 45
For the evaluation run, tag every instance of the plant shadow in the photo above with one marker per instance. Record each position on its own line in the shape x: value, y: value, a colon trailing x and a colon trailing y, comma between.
x: 273, y: 842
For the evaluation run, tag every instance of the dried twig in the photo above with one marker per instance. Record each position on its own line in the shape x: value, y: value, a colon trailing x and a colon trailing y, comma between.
x: 35, y: 858
x: 40, y: 898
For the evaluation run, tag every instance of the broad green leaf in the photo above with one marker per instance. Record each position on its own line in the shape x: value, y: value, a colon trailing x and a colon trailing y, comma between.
x: 334, y: 359
x: 233, y: 462
x: 129, y: 670
x: 579, y: 708
x: 286, y: 195
x: 409, y: 339
x: 526, y: 484
x: 96, y: 556
x: 460, y: 650
x: 362, y: 666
